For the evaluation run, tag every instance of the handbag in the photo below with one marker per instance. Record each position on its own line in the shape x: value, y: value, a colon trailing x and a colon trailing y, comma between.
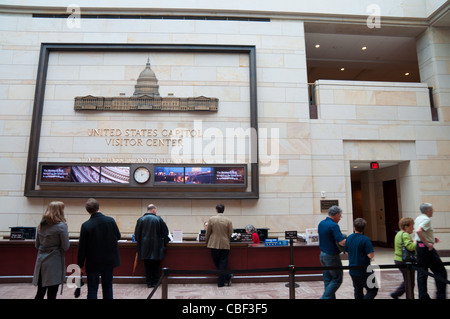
x: 408, y: 256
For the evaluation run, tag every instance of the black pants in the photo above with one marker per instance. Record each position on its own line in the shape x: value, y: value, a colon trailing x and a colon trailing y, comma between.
x: 51, y: 291
x: 359, y: 284
x: 402, y: 287
x: 93, y: 280
x: 429, y: 259
x: 220, y: 259
x: 152, y: 273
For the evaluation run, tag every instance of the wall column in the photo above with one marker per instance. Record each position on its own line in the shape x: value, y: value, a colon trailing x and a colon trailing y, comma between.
x: 433, y: 53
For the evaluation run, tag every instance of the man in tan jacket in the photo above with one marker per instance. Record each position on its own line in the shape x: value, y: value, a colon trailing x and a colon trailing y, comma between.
x: 218, y: 236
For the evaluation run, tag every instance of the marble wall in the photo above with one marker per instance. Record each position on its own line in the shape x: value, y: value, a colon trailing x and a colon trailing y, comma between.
x: 357, y: 121
x: 390, y: 123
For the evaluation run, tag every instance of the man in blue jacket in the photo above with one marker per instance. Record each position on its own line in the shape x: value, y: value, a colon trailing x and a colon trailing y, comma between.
x: 329, y: 237
x: 98, y: 248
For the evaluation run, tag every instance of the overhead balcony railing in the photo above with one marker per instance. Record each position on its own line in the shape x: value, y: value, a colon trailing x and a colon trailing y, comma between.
x: 371, y: 101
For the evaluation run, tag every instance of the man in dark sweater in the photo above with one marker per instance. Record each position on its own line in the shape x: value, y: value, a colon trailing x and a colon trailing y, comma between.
x: 152, y: 236
x: 98, y: 248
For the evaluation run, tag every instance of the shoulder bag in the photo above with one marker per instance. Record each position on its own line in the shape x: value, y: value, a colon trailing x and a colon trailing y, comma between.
x: 408, y: 256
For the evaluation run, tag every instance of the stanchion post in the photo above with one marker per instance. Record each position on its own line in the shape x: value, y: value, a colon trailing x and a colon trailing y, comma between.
x: 165, y: 283
x: 291, y: 244
x: 291, y: 234
x: 291, y: 282
x: 409, y: 281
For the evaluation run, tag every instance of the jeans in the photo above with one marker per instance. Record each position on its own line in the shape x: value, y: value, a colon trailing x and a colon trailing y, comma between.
x: 93, y: 281
x: 429, y: 259
x: 332, y: 279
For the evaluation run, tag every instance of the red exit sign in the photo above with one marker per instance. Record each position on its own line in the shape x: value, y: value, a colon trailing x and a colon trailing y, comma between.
x: 374, y: 165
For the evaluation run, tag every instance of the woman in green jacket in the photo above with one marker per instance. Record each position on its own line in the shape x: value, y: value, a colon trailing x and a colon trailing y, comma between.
x: 406, y: 225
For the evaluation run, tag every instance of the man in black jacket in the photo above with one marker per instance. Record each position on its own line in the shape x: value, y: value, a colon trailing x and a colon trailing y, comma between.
x: 98, y: 248
x: 151, y: 234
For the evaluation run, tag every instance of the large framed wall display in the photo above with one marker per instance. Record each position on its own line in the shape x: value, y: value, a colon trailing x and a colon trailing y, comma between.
x: 57, y: 179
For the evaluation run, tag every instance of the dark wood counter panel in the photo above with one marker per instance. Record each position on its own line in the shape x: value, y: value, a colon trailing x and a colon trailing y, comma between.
x: 18, y: 259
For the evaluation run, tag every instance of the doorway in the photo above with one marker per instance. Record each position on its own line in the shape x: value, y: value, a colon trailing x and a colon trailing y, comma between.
x: 376, y: 196
x: 390, y: 210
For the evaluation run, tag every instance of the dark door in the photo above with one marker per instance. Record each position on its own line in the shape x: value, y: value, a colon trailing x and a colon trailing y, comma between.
x: 390, y: 210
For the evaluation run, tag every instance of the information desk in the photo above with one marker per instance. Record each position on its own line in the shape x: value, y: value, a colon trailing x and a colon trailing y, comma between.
x: 18, y: 259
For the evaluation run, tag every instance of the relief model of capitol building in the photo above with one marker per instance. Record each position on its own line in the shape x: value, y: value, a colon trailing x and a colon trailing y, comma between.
x: 146, y: 97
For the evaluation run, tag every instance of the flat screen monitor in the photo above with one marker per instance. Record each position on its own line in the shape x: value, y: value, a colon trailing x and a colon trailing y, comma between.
x: 85, y: 174
x: 230, y: 175
x: 78, y: 174
x: 203, y: 175
x: 115, y: 175
x: 171, y: 175
x: 55, y: 174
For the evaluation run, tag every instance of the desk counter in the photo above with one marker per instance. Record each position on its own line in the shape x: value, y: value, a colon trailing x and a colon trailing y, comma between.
x: 18, y: 258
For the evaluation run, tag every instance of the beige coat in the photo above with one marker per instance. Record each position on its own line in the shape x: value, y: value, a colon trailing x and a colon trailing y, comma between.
x: 219, y: 232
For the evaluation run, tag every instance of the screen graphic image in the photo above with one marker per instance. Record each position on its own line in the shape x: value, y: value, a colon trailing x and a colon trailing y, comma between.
x: 199, y: 175
x: 169, y: 175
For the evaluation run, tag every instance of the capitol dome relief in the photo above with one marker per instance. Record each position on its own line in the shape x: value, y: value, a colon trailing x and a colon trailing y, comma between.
x: 146, y: 98
x: 147, y: 83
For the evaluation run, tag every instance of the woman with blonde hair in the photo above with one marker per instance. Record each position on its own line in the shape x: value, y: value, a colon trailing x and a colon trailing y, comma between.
x: 52, y: 241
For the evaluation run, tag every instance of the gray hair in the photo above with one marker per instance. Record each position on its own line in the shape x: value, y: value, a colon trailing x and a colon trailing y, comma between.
x: 251, y: 228
x: 334, y: 210
x: 425, y: 207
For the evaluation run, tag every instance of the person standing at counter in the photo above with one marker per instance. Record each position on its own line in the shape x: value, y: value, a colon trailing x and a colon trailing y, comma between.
x: 52, y: 241
x: 152, y: 236
x: 218, y: 236
x: 329, y: 237
x: 98, y: 248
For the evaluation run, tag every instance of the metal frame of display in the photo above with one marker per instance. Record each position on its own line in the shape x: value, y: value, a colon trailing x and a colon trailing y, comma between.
x: 35, y: 133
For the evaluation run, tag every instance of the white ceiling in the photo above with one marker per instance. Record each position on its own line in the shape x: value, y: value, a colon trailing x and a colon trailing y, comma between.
x: 386, y: 58
x: 391, y: 49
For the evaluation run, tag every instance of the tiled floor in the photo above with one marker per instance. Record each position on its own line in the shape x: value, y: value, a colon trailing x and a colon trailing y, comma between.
x: 390, y: 279
x: 306, y: 290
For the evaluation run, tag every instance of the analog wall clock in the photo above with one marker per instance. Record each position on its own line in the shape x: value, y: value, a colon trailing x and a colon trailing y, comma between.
x: 141, y: 175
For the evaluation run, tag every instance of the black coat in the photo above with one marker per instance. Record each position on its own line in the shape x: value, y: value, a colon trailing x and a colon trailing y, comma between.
x: 98, y: 245
x: 152, y: 235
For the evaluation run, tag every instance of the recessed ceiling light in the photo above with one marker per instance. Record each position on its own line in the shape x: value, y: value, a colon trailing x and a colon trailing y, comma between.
x: 407, y: 73
x: 317, y: 45
x: 342, y: 69
x: 364, y: 48
x: 356, y: 166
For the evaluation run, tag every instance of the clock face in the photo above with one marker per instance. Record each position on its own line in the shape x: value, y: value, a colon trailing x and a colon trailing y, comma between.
x: 141, y: 175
